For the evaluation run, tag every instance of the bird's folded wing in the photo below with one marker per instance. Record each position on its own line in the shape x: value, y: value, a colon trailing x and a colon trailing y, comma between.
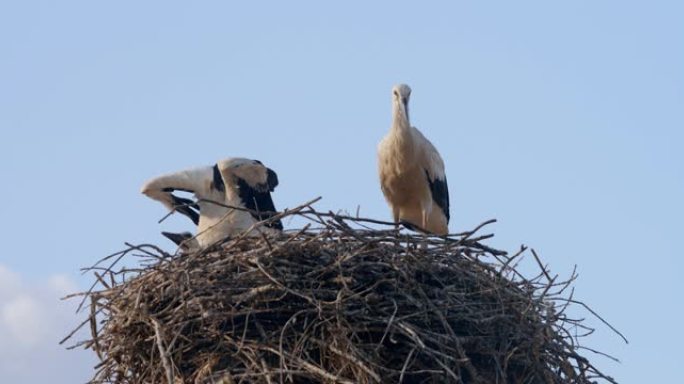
x: 259, y: 202
x: 435, y: 173
x: 196, y: 180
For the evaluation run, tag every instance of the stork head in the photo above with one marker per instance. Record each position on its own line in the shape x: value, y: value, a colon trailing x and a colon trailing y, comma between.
x: 253, y: 172
x: 400, y: 97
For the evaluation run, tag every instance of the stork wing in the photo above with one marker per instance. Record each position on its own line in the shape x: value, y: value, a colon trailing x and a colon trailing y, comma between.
x: 184, y: 240
x: 440, y: 193
x: 177, y: 238
x: 186, y: 207
x: 434, y: 171
x: 258, y: 201
x: 197, y: 181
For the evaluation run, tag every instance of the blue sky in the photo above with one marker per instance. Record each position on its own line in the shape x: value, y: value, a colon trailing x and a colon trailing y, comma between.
x: 563, y: 120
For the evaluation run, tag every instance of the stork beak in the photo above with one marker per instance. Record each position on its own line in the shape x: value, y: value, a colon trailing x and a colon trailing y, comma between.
x: 404, y: 101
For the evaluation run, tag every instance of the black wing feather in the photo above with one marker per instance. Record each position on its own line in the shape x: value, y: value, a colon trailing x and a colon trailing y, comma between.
x: 440, y: 193
x: 177, y: 238
x: 261, y: 202
x: 272, y: 179
x: 186, y: 207
x: 217, y: 181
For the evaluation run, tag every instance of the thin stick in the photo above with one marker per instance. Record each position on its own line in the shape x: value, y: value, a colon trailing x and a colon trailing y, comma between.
x: 163, y: 354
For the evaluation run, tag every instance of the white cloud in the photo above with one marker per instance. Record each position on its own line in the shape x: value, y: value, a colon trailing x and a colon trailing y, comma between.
x: 9, y: 282
x: 24, y: 318
x: 62, y: 285
x: 33, y: 320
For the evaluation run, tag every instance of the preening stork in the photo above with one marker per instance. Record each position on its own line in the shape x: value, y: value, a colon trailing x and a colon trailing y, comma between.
x: 234, y: 182
x: 411, y: 171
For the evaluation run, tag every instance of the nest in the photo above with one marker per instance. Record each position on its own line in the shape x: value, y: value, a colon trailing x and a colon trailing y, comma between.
x: 334, y: 302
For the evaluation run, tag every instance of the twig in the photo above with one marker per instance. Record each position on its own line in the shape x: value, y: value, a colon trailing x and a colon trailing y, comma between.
x: 163, y: 354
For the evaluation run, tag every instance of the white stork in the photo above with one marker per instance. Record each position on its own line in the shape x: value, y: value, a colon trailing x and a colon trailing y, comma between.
x: 235, y: 182
x: 412, y: 172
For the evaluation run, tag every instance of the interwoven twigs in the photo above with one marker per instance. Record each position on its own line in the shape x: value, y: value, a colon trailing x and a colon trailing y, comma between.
x: 336, y: 301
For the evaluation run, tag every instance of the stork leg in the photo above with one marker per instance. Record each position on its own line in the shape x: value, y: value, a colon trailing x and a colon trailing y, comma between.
x: 395, y: 215
x: 424, y: 223
x: 396, y: 212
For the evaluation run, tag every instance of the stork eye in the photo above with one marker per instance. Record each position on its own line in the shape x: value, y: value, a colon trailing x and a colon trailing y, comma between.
x: 396, y: 93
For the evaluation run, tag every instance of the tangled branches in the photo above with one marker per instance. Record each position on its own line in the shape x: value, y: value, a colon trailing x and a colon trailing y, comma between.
x: 334, y: 302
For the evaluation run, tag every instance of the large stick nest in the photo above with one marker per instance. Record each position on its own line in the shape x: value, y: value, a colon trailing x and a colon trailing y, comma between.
x: 335, y: 302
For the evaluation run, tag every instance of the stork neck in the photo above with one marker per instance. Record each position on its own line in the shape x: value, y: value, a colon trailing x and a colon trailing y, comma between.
x: 401, y: 136
x: 399, y: 118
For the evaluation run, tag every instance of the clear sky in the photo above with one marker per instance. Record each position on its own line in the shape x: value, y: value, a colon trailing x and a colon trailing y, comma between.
x: 563, y: 120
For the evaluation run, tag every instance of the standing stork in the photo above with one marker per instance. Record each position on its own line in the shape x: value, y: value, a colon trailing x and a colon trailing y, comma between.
x: 234, y: 182
x: 412, y: 172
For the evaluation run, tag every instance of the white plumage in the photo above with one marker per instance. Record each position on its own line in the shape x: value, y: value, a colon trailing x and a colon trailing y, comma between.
x: 411, y: 172
x: 235, y: 182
